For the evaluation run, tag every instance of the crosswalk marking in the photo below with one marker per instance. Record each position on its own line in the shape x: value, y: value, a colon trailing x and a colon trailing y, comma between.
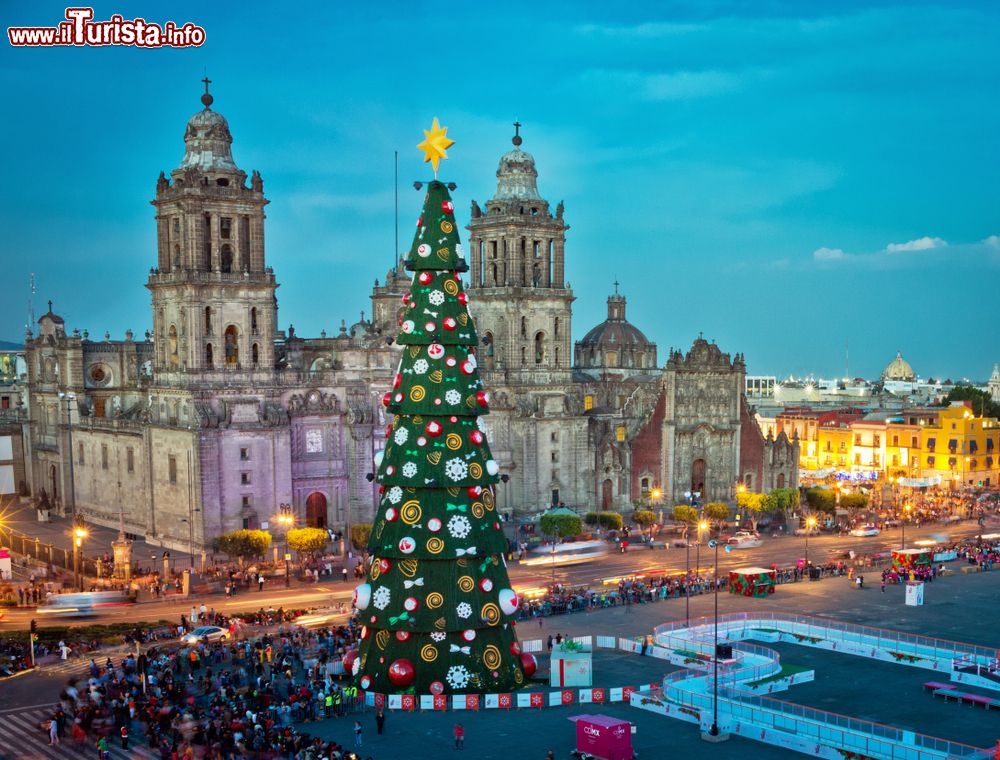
x: 21, y: 738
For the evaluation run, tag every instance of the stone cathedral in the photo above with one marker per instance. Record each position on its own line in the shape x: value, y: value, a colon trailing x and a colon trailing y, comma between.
x: 217, y: 416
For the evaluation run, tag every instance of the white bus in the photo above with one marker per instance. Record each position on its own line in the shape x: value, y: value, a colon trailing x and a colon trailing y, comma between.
x: 82, y: 604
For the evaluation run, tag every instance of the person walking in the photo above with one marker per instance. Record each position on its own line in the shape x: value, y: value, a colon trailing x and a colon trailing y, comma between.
x: 357, y: 733
x: 102, y: 749
x: 459, y: 733
x: 53, y: 733
x: 343, y: 572
x: 380, y: 720
x: 124, y: 736
x: 260, y: 582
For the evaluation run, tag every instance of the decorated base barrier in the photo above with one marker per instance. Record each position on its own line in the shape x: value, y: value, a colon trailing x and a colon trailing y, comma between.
x: 752, y: 581
x: 904, y: 560
x: 914, y: 593
x: 571, y: 665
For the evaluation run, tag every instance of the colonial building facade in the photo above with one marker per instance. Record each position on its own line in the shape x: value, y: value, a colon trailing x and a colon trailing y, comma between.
x: 217, y: 417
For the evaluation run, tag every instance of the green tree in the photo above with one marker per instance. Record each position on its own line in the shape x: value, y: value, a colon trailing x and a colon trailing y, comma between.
x: 756, y: 505
x: 610, y: 520
x: 360, y: 534
x: 592, y: 518
x: 437, y: 601
x: 682, y: 513
x: 854, y: 501
x: 982, y: 403
x: 821, y: 500
x: 716, y: 511
x: 565, y: 526
x: 243, y: 545
x: 308, y: 540
x: 643, y: 517
x: 785, y: 499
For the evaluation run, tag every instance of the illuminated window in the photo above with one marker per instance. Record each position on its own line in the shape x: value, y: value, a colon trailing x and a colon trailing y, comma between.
x: 620, y: 433
x: 588, y: 402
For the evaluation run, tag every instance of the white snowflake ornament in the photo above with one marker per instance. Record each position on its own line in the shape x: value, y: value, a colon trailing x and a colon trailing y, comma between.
x: 380, y: 599
x: 456, y: 469
x: 459, y: 526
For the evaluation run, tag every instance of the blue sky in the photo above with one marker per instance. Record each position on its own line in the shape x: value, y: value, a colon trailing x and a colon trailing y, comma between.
x: 783, y: 177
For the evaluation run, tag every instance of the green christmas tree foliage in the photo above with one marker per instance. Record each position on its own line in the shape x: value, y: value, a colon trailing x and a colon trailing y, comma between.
x: 437, y: 606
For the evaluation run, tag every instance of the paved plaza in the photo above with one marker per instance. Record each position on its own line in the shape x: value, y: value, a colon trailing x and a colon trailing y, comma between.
x: 957, y: 607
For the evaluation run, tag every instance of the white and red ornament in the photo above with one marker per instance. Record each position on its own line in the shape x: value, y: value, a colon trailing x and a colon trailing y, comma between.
x: 434, y: 524
x: 407, y: 545
x: 430, y: 326
x: 411, y: 603
x: 408, y: 326
x: 384, y: 565
x: 402, y: 673
x: 492, y: 467
x: 469, y: 635
x: 468, y: 367
x: 482, y: 398
x: 449, y: 323
x: 402, y: 635
x: 435, y: 350
x: 477, y: 438
x: 436, y: 688
x: 528, y: 664
x: 391, y: 515
x: 447, y: 206
x: 423, y: 250
x: 363, y: 596
x: 463, y: 298
x: 433, y: 428
x: 424, y: 278
x: 485, y: 584
x: 348, y: 659
x: 451, y: 361
x: 365, y: 683
x: 508, y: 601
x: 379, y: 455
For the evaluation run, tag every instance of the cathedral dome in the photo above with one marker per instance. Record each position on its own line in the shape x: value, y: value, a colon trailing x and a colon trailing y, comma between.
x: 899, y: 369
x: 615, y: 343
x: 208, y: 142
x: 517, y: 178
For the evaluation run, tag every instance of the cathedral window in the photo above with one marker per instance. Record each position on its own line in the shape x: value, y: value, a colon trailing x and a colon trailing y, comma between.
x: 209, y: 358
x: 225, y: 228
x: 206, y: 242
x: 172, y: 346
x: 781, y: 480
x: 555, y: 327
x: 130, y: 459
x: 524, y: 356
x: 226, y: 258
x: 104, y: 456
x: 255, y: 354
x: 588, y: 402
x: 253, y: 320
x: 172, y: 469
x: 244, y: 243
x: 539, y: 348
x: 554, y: 456
x: 232, y: 346
x: 208, y: 320
x: 620, y: 434
x: 244, y: 455
x: 557, y: 356
x: 80, y: 459
x: 524, y: 327
x: 244, y: 478
x: 611, y: 358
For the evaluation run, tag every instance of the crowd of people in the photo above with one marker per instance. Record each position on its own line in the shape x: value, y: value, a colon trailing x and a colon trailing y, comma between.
x: 220, y: 700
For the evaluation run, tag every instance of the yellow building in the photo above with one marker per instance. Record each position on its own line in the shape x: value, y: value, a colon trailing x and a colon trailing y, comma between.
x: 961, y: 448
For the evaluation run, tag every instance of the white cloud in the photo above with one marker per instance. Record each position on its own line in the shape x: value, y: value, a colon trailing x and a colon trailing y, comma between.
x: 920, y: 244
x: 828, y: 254
x: 646, y: 30
x: 993, y: 241
x: 677, y: 85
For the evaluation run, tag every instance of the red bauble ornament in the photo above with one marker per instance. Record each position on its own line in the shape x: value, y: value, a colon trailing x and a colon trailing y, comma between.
x: 447, y: 207
x: 476, y: 437
x: 528, y: 663
x: 436, y: 688
x: 405, y: 299
x: 366, y: 682
x: 398, y: 398
x: 451, y: 361
x: 515, y: 648
x: 411, y: 603
x: 468, y: 367
x: 402, y: 673
x: 469, y: 634
x: 387, y: 398
x: 430, y: 326
x: 486, y: 584
x: 391, y: 514
x: 397, y: 380
x: 449, y: 323
x: 433, y: 428
x: 425, y: 278
x: 403, y: 635
x: 482, y: 398
x: 474, y: 491
x: 463, y: 298
x: 384, y: 565
x: 349, y: 657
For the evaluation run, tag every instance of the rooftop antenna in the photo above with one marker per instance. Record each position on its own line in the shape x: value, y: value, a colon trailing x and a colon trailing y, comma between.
x: 395, y: 190
x: 847, y: 359
x: 31, y: 301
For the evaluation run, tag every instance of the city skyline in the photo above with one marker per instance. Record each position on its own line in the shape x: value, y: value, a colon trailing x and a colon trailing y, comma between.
x: 853, y: 204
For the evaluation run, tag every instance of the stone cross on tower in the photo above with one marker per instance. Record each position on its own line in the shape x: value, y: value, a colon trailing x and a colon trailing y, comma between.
x: 517, y: 140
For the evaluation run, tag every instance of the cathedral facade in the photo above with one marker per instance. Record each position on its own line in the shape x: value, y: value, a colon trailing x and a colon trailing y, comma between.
x: 217, y: 417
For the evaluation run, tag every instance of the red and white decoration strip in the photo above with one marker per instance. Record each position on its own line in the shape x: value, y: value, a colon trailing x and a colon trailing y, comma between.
x: 503, y: 701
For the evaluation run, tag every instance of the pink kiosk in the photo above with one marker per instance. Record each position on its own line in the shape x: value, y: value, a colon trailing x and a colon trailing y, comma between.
x: 603, y: 737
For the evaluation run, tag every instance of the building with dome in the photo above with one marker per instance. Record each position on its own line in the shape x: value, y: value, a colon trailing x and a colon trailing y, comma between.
x: 899, y: 370
x: 217, y: 416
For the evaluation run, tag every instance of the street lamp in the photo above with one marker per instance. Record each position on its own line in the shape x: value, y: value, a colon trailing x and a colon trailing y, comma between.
x: 79, y: 533
x: 714, y: 730
x: 902, y: 526
x: 286, y: 520
x: 810, y: 524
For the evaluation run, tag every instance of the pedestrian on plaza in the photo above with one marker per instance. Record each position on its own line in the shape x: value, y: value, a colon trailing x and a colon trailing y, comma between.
x: 102, y: 749
x: 459, y: 733
x: 53, y: 733
x: 124, y: 735
x: 883, y: 584
x: 20, y: 596
x: 357, y: 733
x: 260, y: 582
x: 194, y: 615
x: 550, y: 642
x: 343, y: 572
x: 380, y: 720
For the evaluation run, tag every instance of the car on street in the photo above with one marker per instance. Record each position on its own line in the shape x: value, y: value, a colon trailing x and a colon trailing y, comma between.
x: 745, y: 540
x: 892, y: 522
x: 865, y: 530
x: 205, y: 634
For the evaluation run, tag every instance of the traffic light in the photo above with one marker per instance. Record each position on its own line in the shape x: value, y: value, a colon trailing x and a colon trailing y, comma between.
x: 34, y: 626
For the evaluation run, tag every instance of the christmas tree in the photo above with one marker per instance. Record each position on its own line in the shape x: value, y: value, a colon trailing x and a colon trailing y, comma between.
x: 437, y: 606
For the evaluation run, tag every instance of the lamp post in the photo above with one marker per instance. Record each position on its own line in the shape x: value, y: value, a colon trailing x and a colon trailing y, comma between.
x: 702, y: 527
x: 902, y: 526
x: 69, y: 398
x: 714, y: 730
x: 810, y: 524
x: 79, y: 533
x: 190, y: 523
x: 286, y: 520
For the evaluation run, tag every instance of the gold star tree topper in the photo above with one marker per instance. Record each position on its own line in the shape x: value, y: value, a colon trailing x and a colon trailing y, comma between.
x: 435, y: 145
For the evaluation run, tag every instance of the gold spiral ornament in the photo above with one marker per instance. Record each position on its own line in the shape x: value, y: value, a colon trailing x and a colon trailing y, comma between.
x: 463, y: 319
x: 453, y: 441
x: 451, y: 287
x: 519, y: 676
x: 415, y: 351
x: 466, y: 584
x: 488, y: 498
x: 477, y: 509
x: 428, y: 653
x: 447, y: 227
x: 408, y: 567
x: 376, y: 570
x: 378, y: 529
x: 490, y: 613
x: 443, y: 253
x: 436, y: 376
x: 434, y: 600
x: 417, y: 393
x: 410, y: 512
x: 435, y: 545
x: 381, y: 638
x: 491, y: 657
x: 470, y: 401
x: 476, y: 470
x: 434, y: 457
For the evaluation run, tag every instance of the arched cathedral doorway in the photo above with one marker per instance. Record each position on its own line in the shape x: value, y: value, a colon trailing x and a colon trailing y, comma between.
x: 607, y: 494
x: 698, y: 468
x: 316, y: 510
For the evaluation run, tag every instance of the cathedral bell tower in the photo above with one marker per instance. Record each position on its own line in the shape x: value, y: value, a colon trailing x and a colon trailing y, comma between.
x: 214, y: 307
x: 517, y: 252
